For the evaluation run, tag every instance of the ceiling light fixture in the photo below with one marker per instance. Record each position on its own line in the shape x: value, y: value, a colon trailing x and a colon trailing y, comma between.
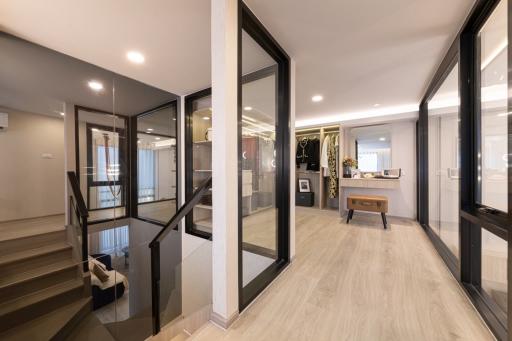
x: 62, y: 114
x: 382, y: 139
x: 157, y: 138
x: 376, y: 105
x: 206, y: 118
x: 247, y: 108
x: 95, y: 85
x: 135, y: 57
x: 150, y: 129
x: 95, y: 129
x: 317, y: 98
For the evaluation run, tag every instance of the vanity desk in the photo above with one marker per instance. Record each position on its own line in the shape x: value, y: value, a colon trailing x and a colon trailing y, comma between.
x: 381, y: 186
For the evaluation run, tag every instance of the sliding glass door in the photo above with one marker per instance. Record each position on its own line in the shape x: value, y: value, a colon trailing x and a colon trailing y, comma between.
x: 464, y: 146
x: 444, y: 161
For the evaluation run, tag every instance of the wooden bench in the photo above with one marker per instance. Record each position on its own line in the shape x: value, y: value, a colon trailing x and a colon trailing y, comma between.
x: 368, y: 203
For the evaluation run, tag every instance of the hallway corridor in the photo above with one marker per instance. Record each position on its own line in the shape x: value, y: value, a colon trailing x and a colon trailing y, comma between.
x: 358, y: 282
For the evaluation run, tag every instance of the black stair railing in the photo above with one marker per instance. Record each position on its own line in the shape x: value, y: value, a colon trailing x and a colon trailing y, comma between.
x: 154, y: 245
x: 78, y: 215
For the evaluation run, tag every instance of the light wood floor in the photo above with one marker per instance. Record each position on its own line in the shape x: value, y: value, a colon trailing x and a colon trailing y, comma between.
x: 358, y: 282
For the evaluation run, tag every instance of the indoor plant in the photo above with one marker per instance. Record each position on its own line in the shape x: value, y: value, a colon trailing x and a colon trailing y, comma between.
x: 348, y: 164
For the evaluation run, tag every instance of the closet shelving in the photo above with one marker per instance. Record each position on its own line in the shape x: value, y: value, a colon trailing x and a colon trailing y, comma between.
x: 319, y: 183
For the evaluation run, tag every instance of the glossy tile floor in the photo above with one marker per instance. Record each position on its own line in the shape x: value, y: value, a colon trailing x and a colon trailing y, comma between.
x: 358, y: 282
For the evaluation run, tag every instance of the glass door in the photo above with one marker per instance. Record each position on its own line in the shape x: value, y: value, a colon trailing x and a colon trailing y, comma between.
x: 444, y: 161
x: 263, y: 158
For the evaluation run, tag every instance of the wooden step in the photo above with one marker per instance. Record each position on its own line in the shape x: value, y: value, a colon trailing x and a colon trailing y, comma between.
x: 25, y: 308
x: 33, y: 241
x: 23, y: 283
x: 27, y: 260
x: 56, y: 325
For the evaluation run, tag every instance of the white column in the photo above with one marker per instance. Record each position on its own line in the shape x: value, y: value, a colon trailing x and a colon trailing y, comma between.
x: 292, y: 159
x: 224, y: 161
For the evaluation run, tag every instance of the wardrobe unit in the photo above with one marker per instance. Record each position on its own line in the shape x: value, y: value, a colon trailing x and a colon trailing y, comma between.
x: 313, y: 170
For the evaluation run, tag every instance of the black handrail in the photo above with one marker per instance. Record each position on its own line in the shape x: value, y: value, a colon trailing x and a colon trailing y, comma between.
x: 154, y: 245
x: 75, y: 187
x: 77, y: 206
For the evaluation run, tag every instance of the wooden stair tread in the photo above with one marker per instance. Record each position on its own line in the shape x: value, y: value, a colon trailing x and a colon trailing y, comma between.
x: 38, y: 296
x: 33, y: 253
x: 41, y: 271
x: 46, y: 326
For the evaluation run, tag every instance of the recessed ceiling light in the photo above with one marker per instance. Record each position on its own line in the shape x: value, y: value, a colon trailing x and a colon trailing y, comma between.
x: 157, y: 138
x: 95, y: 85
x: 206, y: 118
x: 247, y: 108
x: 376, y: 105
x: 138, y: 141
x: 135, y: 57
x: 174, y: 119
x: 95, y: 129
x: 150, y: 129
x: 382, y: 139
x: 62, y: 114
x: 317, y: 98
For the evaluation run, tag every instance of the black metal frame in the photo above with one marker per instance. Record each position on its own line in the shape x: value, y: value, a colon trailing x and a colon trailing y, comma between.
x: 249, y: 23
x: 473, y: 216
x: 127, y: 203
x: 134, y: 161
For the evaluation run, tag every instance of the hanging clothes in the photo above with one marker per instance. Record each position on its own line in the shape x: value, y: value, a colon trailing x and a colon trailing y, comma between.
x: 333, y: 176
x: 314, y: 155
x: 324, y: 163
x: 308, y: 151
x: 302, y: 152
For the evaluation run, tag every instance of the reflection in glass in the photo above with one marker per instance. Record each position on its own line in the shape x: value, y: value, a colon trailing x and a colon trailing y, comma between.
x: 372, y: 147
x: 201, y: 120
x: 259, y: 163
x: 156, y: 170
x: 102, y: 153
x: 494, y: 267
x: 493, y: 157
x: 444, y: 161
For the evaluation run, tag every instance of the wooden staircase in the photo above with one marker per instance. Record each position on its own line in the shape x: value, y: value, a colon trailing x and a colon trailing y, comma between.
x: 43, y: 293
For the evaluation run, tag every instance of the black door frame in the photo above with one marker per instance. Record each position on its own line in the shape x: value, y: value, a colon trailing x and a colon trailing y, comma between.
x: 134, y: 159
x: 473, y: 216
x: 249, y: 23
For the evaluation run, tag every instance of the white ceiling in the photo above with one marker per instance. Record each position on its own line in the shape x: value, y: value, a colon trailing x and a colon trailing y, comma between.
x: 356, y: 53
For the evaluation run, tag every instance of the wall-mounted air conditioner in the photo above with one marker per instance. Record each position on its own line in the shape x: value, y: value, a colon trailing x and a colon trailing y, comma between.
x: 4, y: 121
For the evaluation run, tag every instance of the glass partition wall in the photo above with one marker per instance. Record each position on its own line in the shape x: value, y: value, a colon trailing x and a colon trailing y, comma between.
x: 198, y: 160
x: 464, y: 173
x: 263, y: 147
x: 156, y: 164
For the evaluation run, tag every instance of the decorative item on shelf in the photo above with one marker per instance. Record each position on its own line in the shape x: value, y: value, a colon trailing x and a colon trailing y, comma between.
x: 304, y: 186
x: 348, y: 164
x: 208, y: 134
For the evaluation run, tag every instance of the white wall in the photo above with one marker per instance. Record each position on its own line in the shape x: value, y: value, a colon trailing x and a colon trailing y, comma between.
x: 402, y: 201
x: 30, y: 184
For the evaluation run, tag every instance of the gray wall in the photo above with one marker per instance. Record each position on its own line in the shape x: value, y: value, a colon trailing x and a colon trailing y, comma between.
x: 30, y: 185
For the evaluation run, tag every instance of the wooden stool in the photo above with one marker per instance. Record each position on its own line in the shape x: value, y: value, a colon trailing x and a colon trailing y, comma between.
x: 368, y: 203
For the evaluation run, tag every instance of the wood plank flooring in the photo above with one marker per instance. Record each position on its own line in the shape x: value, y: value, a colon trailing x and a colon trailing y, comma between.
x: 358, y: 282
